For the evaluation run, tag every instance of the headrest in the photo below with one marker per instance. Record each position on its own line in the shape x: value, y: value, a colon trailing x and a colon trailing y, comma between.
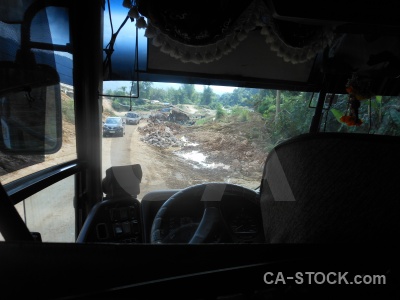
x: 332, y: 188
x: 122, y: 181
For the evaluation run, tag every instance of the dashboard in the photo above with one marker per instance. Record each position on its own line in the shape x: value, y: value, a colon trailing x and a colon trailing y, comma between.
x: 128, y: 220
x: 240, y: 218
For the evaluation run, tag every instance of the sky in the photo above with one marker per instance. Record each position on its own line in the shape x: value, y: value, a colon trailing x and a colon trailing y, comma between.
x: 114, y: 85
x: 198, y: 87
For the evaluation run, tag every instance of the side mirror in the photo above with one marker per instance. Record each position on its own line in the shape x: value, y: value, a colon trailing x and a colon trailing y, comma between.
x: 30, y: 109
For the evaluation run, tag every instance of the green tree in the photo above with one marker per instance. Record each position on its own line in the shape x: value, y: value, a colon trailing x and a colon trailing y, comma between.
x: 175, y: 96
x: 277, y: 105
x: 207, y: 97
x: 293, y: 117
x: 145, y: 89
x: 189, y: 92
x: 158, y: 94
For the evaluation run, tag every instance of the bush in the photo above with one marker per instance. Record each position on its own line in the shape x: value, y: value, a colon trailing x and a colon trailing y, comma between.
x: 220, y: 112
x: 68, y: 110
x: 241, y: 113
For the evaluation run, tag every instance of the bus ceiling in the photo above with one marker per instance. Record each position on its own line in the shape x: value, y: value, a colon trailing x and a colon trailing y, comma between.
x: 260, y: 44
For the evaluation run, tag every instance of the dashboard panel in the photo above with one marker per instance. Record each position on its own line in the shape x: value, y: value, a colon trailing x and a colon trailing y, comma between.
x: 128, y: 220
x: 240, y: 221
x: 243, y: 220
x: 115, y: 220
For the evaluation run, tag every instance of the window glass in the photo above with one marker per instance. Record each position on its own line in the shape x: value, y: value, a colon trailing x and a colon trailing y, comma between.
x: 207, y: 134
x: 51, y: 26
x: 51, y: 212
x: 377, y: 114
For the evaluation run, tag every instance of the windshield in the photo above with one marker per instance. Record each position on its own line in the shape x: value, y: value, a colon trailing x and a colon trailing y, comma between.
x: 208, y: 134
x: 112, y: 121
x: 216, y: 135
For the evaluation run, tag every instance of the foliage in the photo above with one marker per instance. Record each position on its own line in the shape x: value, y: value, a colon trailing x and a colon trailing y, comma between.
x: 68, y: 109
x: 240, y: 97
x: 118, y: 106
x: 337, y: 113
x: 293, y: 119
x: 145, y: 89
x: 220, y: 112
x: 292, y: 115
x: 242, y: 112
x: 203, y: 121
x: 208, y: 96
x: 285, y: 117
x: 380, y: 115
x: 185, y: 94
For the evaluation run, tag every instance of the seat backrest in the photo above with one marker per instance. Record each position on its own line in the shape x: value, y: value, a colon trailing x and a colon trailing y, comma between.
x: 121, y: 181
x: 332, y: 188
x: 116, y: 218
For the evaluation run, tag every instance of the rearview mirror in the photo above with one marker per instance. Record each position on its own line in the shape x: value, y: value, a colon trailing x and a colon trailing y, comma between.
x: 30, y: 109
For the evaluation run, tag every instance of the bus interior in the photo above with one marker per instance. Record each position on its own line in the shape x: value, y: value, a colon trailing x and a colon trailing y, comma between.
x: 294, y: 107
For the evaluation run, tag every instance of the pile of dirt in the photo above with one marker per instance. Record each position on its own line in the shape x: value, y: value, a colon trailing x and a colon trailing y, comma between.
x: 160, y: 134
x: 244, y: 139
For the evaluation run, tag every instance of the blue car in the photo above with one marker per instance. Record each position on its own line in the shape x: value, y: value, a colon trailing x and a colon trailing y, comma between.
x: 114, y: 126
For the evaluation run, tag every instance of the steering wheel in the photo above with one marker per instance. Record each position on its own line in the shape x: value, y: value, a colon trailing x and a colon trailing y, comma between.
x: 207, y: 197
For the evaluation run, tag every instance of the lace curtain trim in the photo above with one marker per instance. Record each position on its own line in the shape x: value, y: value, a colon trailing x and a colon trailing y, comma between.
x: 256, y: 15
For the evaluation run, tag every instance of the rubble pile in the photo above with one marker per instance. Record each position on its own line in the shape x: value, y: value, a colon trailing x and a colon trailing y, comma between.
x: 160, y: 134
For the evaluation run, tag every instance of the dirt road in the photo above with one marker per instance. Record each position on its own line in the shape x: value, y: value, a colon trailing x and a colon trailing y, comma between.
x: 131, y: 150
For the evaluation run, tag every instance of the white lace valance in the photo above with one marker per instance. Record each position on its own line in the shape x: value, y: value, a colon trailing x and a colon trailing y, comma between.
x: 199, y: 36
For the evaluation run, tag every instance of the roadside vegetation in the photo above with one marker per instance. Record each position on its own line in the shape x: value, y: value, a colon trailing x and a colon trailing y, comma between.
x: 283, y: 114
x: 271, y: 109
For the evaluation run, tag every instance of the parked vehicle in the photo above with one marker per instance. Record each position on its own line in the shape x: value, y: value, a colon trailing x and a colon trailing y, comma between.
x: 166, y: 110
x: 114, y: 126
x: 298, y: 199
x: 132, y: 118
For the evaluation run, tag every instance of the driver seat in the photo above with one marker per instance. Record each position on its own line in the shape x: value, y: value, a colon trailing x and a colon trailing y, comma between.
x: 117, y: 217
x: 332, y: 188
